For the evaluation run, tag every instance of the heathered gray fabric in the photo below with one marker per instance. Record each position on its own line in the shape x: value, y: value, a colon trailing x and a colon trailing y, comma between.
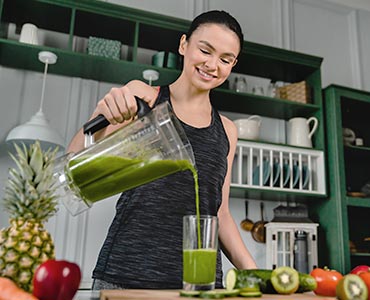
x: 143, y: 248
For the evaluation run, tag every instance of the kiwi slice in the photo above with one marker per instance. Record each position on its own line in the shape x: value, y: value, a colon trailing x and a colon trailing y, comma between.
x: 285, y: 280
x: 351, y: 287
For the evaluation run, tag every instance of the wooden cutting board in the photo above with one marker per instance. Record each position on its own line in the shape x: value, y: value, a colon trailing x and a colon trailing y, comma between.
x: 174, y: 294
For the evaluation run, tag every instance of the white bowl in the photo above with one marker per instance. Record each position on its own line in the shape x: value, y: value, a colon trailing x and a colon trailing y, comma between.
x: 248, y: 128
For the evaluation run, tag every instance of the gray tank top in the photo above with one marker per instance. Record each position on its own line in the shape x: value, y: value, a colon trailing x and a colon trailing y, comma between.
x: 143, y: 248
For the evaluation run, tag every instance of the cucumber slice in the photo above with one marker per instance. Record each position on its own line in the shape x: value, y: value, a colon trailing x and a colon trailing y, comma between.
x: 251, y: 294
x: 184, y: 293
x: 230, y: 293
x: 212, y: 294
x: 249, y: 289
x: 230, y: 279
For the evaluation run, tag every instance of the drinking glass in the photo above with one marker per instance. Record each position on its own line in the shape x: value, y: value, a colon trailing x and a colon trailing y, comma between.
x: 200, y: 242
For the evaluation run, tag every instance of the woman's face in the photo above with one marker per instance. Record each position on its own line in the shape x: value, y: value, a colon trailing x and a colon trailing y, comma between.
x: 209, y: 55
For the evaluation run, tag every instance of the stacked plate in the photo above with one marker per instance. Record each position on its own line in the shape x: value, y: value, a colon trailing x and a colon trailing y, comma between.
x: 277, y: 172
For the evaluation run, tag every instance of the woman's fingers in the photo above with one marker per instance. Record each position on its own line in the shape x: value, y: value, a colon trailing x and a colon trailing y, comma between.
x: 130, y: 101
x: 118, y: 105
x: 115, y: 113
x: 104, y: 109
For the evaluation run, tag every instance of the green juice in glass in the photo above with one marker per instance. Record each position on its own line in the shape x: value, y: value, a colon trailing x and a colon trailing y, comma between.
x: 198, y: 266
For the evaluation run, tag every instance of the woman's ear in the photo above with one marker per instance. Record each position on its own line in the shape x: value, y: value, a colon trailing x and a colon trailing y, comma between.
x: 182, y: 44
x: 235, y: 62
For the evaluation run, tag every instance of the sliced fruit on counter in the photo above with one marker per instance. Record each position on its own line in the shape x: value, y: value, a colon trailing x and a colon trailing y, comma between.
x: 241, y: 279
x: 212, y: 294
x: 285, y: 280
x: 231, y: 293
x: 351, y: 287
x: 251, y: 294
x: 185, y: 293
x: 327, y: 281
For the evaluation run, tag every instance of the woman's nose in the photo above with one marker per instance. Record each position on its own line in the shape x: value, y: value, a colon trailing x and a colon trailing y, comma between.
x: 211, y: 63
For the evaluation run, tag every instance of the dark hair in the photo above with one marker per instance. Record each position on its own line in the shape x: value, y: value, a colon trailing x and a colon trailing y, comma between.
x: 217, y: 17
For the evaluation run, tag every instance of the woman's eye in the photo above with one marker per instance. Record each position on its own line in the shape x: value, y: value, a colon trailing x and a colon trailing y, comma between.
x: 204, y: 51
x: 225, y: 61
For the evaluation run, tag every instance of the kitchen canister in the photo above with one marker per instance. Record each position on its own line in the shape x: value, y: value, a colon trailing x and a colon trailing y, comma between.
x: 29, y: 34
x: 165, y: 59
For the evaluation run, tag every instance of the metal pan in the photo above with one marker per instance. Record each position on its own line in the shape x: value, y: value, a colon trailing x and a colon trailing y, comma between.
x: 246, y: 224
x: 258, y: 229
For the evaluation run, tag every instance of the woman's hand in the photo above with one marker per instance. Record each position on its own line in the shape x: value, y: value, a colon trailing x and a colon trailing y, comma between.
x: 117, y: 106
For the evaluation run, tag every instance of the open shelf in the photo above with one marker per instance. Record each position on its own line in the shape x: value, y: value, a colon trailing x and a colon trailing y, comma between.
x: 78, y: 64
x: 361, y: 202
x: 229, y: 100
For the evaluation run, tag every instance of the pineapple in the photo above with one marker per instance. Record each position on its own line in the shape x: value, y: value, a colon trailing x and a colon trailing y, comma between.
x: 30, y: 200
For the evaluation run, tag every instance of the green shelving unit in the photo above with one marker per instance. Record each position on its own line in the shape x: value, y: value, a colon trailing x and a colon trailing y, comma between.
x: 142, y: 31
x: 344, y: 216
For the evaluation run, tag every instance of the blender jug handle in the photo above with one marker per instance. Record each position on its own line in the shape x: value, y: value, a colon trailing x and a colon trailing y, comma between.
x: 101, y: 122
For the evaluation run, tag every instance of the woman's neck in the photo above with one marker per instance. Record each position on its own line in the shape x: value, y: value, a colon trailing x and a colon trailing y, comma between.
x: 192, y: 106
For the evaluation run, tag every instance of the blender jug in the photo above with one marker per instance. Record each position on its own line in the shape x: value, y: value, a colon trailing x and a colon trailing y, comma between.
x: 153, y: 146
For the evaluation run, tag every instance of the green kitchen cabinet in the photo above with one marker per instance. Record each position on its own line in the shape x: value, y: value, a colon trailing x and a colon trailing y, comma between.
x: 145, y: 33
x: 344, y: 216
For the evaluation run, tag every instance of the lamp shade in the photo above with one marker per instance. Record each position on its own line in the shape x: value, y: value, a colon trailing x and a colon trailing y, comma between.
x: 37, y: 128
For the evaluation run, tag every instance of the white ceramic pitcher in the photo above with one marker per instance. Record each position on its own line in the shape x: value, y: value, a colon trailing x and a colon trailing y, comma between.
x: 299, y: 133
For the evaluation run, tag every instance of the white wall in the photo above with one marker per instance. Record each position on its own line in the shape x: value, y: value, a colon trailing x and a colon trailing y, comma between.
x: 329, y: 29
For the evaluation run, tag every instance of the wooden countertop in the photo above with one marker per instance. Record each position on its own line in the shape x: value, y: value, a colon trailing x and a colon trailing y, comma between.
x: 174, y: 294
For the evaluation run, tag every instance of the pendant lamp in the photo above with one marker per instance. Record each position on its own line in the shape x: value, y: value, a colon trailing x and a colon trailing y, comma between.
x: 38, y: 127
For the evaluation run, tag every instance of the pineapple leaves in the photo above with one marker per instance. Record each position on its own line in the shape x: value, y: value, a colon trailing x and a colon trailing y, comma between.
x: 36, y: 160
x: 30, y: 190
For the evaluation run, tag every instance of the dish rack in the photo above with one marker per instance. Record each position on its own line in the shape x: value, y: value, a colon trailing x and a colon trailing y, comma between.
x: 278, y: 167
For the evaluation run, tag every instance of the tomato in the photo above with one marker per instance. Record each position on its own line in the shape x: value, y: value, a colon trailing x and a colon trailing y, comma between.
x: 327, y: 281
x: 365, y: 276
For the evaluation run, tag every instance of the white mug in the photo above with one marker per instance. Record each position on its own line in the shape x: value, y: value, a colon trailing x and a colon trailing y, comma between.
x: 249, y: 128
x: 29, y: 34
x: 299, y: 133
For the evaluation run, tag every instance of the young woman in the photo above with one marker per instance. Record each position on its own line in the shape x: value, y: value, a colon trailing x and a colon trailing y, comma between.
x: 143, y: 248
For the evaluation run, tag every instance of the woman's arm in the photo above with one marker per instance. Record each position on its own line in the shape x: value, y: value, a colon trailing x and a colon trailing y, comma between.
x: 119, y: 107
x: 231, y: 241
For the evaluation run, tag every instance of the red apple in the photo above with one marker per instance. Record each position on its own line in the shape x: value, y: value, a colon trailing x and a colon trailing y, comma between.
x: 56, y: 280
x: 360, y: 269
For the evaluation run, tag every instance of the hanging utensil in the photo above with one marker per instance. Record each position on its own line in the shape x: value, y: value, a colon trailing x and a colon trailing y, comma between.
x: 258, y: 229
x: 246, y: 224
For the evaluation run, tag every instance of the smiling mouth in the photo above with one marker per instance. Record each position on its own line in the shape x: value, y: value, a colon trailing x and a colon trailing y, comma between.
x: 205, y: 74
